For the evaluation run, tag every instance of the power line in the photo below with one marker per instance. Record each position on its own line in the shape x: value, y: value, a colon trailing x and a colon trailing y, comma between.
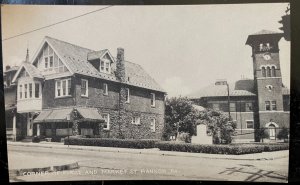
x: 56, y: 23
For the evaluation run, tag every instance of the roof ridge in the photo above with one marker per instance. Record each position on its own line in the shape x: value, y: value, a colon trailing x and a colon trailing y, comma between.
x: 68, y: 43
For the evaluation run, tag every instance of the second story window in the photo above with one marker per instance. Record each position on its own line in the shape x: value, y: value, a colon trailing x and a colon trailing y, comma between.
x: 63, y: 88
x: 268, y: 107
x: 20, y: 91
x: 37, y: 90
x: 127, y: 96
x: 25, y: 91
x: 152, y: 100
x: 84, y: 87
x: 30, y: 90
x: 274, y: 107
x: 152, y: 124
x: 105, y: 89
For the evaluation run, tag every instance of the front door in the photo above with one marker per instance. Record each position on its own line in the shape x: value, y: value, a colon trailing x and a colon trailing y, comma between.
x: 272, y: 131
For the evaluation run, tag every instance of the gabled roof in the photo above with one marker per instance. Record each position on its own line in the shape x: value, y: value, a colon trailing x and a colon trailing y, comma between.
x: 76, y: 60
x: 30, y: 69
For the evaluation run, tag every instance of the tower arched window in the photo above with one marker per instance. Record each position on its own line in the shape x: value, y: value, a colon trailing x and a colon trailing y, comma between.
x: 268, y: 71
x: 273, y: 71
x: 263, y: 71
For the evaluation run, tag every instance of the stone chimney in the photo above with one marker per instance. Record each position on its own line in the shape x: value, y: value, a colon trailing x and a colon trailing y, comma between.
x: 120, y: 65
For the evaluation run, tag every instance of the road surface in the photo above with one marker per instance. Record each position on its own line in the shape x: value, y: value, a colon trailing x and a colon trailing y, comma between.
x: 95, y: 165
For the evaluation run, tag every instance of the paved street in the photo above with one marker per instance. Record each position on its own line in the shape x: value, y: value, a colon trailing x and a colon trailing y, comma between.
x: 95, y: 165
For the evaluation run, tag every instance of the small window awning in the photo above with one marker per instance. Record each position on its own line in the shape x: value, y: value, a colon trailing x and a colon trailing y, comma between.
x: 60, y: 115
x: 90, y: 114
x: 53, y: 115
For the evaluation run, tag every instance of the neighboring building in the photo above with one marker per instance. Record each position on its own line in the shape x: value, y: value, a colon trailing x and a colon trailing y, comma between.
x: 10, y: 99
x: 254, y: 104
x: 67, y: 89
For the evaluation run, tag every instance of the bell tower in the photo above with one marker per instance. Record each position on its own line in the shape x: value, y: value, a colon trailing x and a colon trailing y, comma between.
x: 267, y: 76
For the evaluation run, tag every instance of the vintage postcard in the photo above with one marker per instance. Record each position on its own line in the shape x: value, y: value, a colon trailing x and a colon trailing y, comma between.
x: 181, y: 92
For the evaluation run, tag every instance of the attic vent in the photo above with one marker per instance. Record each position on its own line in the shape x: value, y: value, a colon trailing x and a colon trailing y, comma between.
x: 128, y: 78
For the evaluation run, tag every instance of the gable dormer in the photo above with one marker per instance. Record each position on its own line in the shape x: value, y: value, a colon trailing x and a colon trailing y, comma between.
x: 48, y: 62
x: 101, y: 60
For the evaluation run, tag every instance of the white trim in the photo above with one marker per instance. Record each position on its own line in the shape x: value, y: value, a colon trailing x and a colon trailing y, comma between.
x: 268, y: 124
x: 271, y: 111
x: 58, y: 55
x: 86, y: 86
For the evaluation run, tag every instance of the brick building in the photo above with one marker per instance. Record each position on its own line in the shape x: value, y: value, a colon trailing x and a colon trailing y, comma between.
x: 262, y: 102
x: 70, y: 90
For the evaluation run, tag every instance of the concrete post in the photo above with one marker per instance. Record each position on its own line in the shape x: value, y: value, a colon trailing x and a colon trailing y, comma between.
x: 14, y: 128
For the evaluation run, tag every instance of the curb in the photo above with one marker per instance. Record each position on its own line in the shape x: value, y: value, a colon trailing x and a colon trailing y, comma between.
x: 43, y: 170
x: 162, y: 153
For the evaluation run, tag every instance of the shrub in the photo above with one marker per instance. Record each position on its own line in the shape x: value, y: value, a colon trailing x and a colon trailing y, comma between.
x: 283, y: 133
x: 233, y: 149
x: 211, y: 149
x: 108, y: 142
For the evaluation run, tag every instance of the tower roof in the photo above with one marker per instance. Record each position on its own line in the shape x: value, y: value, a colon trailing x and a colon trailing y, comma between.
x: 263, y: 34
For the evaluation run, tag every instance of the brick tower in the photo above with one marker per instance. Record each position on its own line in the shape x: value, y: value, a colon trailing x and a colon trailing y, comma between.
x: 267, y: 81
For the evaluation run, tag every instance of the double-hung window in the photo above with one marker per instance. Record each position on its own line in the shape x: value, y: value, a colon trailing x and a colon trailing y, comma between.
x: 127, y: 96
x: 250, y: 124
x: 25, y: 90
x: 105, y: 89
x: 84, y: 88
x: 30, y: 90
x: 106, y: 121
x: 273, y: 103
x: 37, y: 90
x: 63, y: 88
x: 232, y: 107
x: 152, y: 100
x: 249, y: 106
x: 152, y: 124
x: 105, y: 66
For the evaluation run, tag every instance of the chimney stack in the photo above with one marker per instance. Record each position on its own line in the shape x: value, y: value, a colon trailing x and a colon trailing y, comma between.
x: 120, y: 66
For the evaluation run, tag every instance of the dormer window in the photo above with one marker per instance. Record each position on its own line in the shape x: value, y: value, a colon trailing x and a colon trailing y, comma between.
x: 105, y: 66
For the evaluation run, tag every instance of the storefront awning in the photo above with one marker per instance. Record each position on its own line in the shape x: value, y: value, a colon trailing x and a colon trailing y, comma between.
x: 60, y: 115
x: 90, y: 114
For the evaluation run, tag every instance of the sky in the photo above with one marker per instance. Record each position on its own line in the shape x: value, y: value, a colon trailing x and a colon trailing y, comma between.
x: 184, y: 48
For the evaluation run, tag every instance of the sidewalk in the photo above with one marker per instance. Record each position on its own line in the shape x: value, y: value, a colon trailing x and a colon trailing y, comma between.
x: 156, y: 151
